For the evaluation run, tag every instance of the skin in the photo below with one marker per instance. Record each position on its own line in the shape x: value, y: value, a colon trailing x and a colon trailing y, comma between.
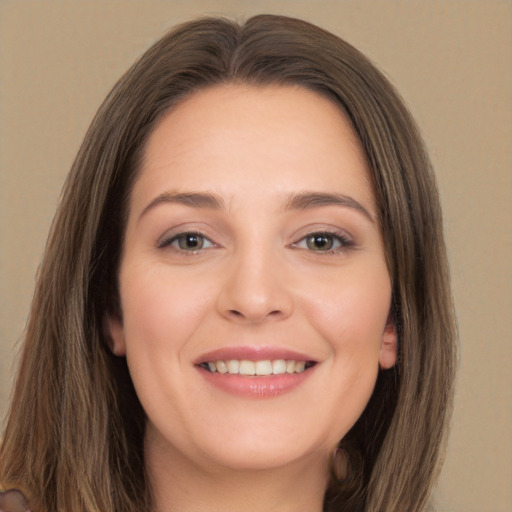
x: 257, y: 281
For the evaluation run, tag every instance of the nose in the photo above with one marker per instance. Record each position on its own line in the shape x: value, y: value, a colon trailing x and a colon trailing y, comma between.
x: 256, y: 289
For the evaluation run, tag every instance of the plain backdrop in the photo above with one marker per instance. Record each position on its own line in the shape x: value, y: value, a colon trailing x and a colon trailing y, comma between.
x: 451, y: 60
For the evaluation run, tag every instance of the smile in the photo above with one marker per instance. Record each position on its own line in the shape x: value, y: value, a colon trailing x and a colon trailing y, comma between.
x: 256, y: 372
x: 257, y: 368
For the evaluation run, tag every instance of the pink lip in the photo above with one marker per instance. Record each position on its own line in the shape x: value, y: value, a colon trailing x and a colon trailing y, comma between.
x: 252, y: 354
x: 268, y: 386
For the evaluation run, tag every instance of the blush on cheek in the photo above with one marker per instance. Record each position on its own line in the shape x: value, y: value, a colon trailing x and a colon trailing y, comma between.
x: 353, y: 313
x: 160, y: 304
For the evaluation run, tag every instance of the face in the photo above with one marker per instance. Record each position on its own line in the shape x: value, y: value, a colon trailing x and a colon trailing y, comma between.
x: 254, y: 290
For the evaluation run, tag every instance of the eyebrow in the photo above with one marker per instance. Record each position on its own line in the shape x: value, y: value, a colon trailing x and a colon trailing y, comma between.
x: 306, y: 200
x: 192, y: 199
x: 300, y: 201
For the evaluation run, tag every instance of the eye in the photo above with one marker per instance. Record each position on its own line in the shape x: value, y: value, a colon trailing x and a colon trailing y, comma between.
x: 324, y: 241
x: 191, y: 242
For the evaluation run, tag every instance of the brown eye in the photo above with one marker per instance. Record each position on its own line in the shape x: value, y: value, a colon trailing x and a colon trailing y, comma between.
x: 190, y: 242
x: 325, y: 242
x: 320, y: 241
x: 187, y: 242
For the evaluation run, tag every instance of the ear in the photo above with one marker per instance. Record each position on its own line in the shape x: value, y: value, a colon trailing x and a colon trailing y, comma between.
x: 388, y: 347
x: 115, y: 332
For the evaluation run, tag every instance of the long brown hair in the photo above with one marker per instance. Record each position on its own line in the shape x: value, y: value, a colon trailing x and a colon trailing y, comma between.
x: 74, y: 437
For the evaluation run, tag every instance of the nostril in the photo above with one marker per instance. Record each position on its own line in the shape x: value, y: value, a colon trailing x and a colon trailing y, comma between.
x: 237, y: 314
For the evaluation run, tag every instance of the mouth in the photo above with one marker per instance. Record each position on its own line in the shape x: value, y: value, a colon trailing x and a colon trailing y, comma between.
x: 258, y: 368
x: 256, y: 372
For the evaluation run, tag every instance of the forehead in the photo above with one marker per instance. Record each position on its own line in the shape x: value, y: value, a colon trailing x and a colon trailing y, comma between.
x: 237, y: 137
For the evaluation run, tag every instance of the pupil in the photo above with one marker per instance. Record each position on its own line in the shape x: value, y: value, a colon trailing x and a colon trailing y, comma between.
x: 191, y: 241
x: 323, y: 242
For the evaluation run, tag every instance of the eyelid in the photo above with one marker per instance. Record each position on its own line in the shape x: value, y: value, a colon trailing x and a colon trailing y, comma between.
x: 169, y: 238
x: 345, y: 240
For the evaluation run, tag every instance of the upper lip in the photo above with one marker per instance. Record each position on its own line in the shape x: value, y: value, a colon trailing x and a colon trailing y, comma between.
x: 252, y: 354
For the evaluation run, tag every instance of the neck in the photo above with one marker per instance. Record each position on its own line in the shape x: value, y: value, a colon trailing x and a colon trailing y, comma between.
x: 179, y: 484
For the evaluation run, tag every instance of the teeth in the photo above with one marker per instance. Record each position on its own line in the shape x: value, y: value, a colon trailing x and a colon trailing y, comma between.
x: 263, y: 367
x: 278, y: 366
x: 250, y: 368
x: 290, y: 366
x: 233, y: 366
x: 246, y: 368
x: 300, y: 366
x: 221, y: 367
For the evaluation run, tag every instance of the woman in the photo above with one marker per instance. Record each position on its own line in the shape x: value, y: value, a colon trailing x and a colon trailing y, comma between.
x: 244, y: 301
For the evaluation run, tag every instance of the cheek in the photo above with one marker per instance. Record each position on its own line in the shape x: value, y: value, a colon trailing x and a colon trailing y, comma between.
x: 161, y: 314
x: 351, y: 312
x: 161, y: 308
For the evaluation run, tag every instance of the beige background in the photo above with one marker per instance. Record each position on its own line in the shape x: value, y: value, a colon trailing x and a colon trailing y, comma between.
x: 452, y: 60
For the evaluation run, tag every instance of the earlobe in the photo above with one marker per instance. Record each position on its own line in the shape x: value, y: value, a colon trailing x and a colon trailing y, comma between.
x: 115, y: 333
x: 388, y: 347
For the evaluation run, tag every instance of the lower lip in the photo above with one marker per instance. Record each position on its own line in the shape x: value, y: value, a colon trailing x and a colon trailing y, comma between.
x: 268, y: 386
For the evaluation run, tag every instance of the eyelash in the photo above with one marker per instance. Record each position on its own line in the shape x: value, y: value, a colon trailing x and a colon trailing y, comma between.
x: 168, y: 242
x: 335, y: 238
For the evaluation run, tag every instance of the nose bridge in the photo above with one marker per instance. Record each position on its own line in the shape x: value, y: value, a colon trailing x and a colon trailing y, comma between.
x: 255, y: 288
